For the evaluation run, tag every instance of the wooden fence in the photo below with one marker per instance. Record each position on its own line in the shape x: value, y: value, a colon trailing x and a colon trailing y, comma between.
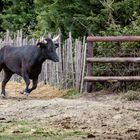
x: 91, y: 59
x: 68, y: 73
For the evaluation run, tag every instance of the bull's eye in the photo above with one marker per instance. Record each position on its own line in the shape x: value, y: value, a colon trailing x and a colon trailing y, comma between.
x: 56, y: 45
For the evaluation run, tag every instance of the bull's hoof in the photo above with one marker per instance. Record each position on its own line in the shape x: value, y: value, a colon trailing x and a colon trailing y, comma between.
x: 26, y: 93
x: 3, y: 96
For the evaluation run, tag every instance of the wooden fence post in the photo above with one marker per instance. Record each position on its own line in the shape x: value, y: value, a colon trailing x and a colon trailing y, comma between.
x: 89, y: 85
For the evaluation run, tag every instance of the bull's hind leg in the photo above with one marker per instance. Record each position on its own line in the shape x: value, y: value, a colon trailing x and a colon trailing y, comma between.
x: 1, y: 66
x: 7, y: 76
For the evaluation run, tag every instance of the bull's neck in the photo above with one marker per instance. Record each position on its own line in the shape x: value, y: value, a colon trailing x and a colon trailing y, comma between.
x: 41, y: 57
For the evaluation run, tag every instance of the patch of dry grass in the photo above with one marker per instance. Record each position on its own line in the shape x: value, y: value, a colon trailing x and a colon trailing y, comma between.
x: 42, y: 91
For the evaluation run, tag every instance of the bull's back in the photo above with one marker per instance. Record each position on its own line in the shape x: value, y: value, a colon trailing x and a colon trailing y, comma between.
x: 1, y: 55
x: 15, y: 58
x: 12, y: 59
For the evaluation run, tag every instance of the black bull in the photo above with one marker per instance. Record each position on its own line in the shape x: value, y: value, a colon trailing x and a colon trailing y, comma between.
x: 26, y: 61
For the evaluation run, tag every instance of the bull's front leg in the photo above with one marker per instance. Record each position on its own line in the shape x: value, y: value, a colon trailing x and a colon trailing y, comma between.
x: 27, y: 81
x: 35, y: 81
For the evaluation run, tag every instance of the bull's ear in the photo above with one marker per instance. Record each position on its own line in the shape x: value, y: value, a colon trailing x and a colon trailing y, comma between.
x: 43, y: 40
x: 56, y: 45
x: 40, y: 45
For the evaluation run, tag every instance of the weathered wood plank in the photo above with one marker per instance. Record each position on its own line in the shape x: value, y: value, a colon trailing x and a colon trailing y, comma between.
x: 113, y: 38
x: 107, y: 78
x: 113, y: 59
x: 89, y: 66
x: 83, y: 67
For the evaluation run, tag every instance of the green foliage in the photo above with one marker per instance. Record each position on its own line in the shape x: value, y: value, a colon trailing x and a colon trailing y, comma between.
x: 114, y: 17
x: 72, y: 94
x: 18, y: 14
x: 98, y: 86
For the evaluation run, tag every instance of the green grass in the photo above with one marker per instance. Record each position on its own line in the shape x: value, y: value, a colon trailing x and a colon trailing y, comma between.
x: 22, y: 137
x: 29, y: 137
x: 32, y: 130
x: 73, y: 134
x: 22, y: 122
x: 131, y: 95
x: 72, y: 94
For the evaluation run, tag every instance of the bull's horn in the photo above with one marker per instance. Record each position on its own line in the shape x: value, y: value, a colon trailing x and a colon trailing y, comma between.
x: 45, y: 41
x: 56, y: 38
x: 41, y: 39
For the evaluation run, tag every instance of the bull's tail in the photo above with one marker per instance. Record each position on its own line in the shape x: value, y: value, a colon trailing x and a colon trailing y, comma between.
x: 1, y: 59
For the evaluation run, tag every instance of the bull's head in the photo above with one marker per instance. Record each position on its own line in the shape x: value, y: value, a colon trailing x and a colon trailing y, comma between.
x: 48, y: 47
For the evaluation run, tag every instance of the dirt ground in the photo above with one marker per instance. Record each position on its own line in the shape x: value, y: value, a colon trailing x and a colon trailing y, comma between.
x: 100, y: 116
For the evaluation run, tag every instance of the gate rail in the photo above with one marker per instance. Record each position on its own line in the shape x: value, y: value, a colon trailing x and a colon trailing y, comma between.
x: 91, y: 59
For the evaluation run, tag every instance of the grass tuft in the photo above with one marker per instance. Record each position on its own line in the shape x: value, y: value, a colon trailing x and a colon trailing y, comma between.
x: 72, y: 94
x: 131, y: 95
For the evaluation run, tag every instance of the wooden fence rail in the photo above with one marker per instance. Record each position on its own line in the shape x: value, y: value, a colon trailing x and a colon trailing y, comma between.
x: 113, y: 59
x: 113, y: 38
x: 91, y: 59
x: 109, y: 78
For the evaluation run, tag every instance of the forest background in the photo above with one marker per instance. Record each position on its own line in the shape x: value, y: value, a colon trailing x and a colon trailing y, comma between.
x: 98, y: 17
x: 81, y: 18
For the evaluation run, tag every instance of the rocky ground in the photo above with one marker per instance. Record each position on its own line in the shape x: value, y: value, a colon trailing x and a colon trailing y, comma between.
x: 100, y: 116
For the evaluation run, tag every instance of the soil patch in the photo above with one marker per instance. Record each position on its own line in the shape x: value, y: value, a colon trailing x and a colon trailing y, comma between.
x: 98, y: 116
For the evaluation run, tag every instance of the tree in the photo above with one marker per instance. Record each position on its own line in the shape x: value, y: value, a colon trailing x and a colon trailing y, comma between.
x: 18, y: 14
x: 79, y: 16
